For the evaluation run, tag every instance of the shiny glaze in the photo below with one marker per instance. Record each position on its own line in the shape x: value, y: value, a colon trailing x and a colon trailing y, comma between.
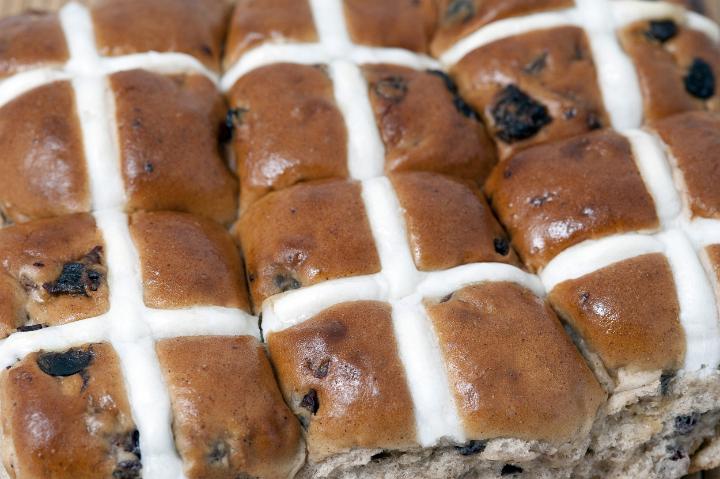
x: 459, y: 18
x: 513, y: 370
x: 421, y: 126
x: 168, y: 130
x: 627, y: 313
x: 195, y: 27
x: 661, y: 68
x: 694, y: 141
x: 554, y: 67
x: 29, y: 40
x: 448, y: 222
x: 48, y: 420
x: 187, y: 261
x: 553, y: 196
x: 33, y: 254
x: 259, y: 21
x: 288, y: 129
x: 240, y: 429
x: 407, y: 24
x: 348, y: 355
x: 44, y: 171
x: 304, y: 235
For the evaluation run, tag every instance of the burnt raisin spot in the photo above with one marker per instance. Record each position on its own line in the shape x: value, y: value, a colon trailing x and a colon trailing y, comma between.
x: 30, y: 327
x: 67, y: 363
x: 392, y: 88
x: 39, y: 264
x: 537, y: 65
x: 518, y: 116
x: 285, y: 283
x: 127, y: 470
x: 459, y: 11
x: 661, y: 30
x: 322, y: 370
x: 446, y: 298
x: 502, y: 246
x: 471, y: 447
x: 700, y: 79
x: 509, y: 469
x: 685, y: 424
x: 665, y: 381
x: 206, y: 49
x: 75, y: 279
x: 584, y: 297
x: 311, y: 402
x: 148, y: 167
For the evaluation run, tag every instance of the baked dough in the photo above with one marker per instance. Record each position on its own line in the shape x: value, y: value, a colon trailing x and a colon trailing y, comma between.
x: 344, y: 239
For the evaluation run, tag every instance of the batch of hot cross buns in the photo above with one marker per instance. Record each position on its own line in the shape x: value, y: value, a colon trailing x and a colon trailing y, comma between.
x: 345, y: 239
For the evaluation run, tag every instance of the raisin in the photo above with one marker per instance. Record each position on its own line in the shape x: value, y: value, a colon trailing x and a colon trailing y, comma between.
x: 380, y: 456
x: 458, y: 101
x: 685, y: 424
x: 459, y: 11
x: 30, y: 327
x: 127, y: 470
x: 537, y: 65
x: 149, y: 167
x: 510, y: 469
x: 502, y: 246
x: 218, y: 452
x: 310, y: 402
x: 700, y: 79
x: 75, y: 279
x: 67, y: 363
x: 665, y: 380
x: 392, y: 88
x: 446, y: 298
x: 471, y: 447
x: 593, y: 122
x: 322, y: 370
x: 285, y: 283
x: 662, y: 30
x: 130, y: 442
x: 676, y: 455
x: 518, y: 116
x: 94, y: 256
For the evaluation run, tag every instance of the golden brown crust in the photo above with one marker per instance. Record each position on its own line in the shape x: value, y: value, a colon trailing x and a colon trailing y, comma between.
x: 289, y: 129
x: 53, y: 270
x: 513, y: 370
x: 407, y: 24
x: 304, y: 235
x: 551, y: 197
x: 664, y: 67
x: 43, y: 162
x: 534, y: 88
x: 29, y: 40
x: 168, y: 129
x: 449, y: 222
x: 229, y: 418
x: 187, y: 261
x: 425, y: 126
x: 194, y: 27
x: 627, y: 313
x: 713, y: 252
x: 459, y: 18
x: 258, y: 21
x: 693, y: 138
x: 340, y: 372
x: 71, y: 425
